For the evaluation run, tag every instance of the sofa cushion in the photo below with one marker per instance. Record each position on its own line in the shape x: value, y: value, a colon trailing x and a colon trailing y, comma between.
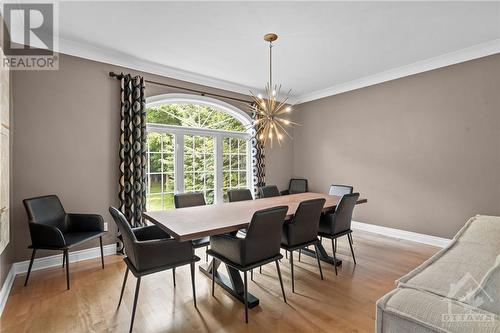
x: 466, y: 269
x: 409, y: 310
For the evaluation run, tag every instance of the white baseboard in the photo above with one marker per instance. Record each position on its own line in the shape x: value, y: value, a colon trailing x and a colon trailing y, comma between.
x: 7, y: 285
x: 402, y: 234
x: 56, y: 260
x: 47, y: 262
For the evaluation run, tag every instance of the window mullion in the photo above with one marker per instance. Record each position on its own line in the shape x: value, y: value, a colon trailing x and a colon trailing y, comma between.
x: 179, y: 162
x: 218, y: 170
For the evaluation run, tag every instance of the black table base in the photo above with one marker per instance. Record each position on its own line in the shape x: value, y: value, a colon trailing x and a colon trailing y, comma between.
x: 323, y: 256
x: 232, y: 283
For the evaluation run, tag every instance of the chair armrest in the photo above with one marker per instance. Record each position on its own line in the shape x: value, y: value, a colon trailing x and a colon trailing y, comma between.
x: 285, y: 192
x: 150, y: 232
x: 85, y: 222
x: 230, y: 247
x: 43, y: 235
x: 154, y: 253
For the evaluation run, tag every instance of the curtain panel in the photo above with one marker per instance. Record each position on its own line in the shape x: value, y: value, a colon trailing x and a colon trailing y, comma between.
x: 258, y: 159
x: 133, y: 149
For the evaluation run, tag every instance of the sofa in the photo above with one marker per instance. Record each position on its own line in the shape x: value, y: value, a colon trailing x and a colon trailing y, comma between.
x: 457, y: 290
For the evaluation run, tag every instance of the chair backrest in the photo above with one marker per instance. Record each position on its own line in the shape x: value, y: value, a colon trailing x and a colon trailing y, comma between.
x: 46, y: 210
x: 305, y: 223
x: 239, y: 195
x: 340, y: 190
x: 298, y: 186
x: 184, y: 200
x: 269, y: 191
x: 128, y: 235
x: 343, y: 213
x: 263, y: 237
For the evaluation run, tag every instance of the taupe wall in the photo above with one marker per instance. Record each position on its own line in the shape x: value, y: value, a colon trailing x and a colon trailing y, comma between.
x: 424, y: 150
x: 66, y: 138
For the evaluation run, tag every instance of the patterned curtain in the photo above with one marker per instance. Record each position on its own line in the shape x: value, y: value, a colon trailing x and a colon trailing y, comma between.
x: 133, y: 149
x: 258, y: 160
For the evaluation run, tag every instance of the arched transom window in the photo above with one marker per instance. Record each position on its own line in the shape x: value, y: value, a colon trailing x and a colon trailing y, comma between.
x: 195, y: 144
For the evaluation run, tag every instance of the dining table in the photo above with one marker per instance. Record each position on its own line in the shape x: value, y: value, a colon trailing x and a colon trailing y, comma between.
x: 190, y: 223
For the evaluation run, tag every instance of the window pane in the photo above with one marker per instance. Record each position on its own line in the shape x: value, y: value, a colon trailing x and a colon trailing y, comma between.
x: 243, y: 179
x: 155, y: 162
x: 193, y: 115
x: 243, y: 146
x: 168, y: 183
x: 243, y: 162
x: 168, y: 201
x: 154, y: 142
x: 154, y: 202
x: 155, y: 183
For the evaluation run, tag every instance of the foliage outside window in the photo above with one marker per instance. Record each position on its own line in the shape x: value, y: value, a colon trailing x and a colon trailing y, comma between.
x: 198, y: 153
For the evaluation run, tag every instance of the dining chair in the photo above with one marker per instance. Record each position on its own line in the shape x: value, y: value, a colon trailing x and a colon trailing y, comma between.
x: 297, y: 185
x: 51, y: 228
x: 302, y: 231
x: 239, y: 195
x: 269, y: 191
x: 150, y: 250
x: 340, y: 190
x: 338, y: 223
x: 261, y: 245
x: 184, y: 200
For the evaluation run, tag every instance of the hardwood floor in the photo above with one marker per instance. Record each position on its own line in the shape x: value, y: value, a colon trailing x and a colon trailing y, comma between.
x: 343, y: 303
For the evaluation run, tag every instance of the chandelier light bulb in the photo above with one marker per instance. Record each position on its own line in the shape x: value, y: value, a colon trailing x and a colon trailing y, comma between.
x: 287, y: 122
x: 259, y: 96
x: 274, y: 92
x: 288, y: 109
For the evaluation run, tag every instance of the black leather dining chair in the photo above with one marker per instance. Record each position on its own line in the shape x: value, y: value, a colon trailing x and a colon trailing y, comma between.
x: 297, y: 185
x: 269, y: 191
x: 184, y: 200
x: 150, y: 250
x: 302, y: 231
x: 239, y: 195
x: 51, y: 228
x: 340, y: 190
x: 260, y: 246
x: 338, y: 223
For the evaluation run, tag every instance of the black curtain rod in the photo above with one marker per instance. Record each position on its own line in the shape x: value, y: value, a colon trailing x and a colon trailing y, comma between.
x: 202, y: 93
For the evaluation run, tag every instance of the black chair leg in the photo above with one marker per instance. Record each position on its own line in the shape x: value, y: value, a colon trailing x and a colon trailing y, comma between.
x: 30, y: 266
x: 64, y: 259
x: 291, y: 268
x: 193, y: 283
x: 251, y: 274
x: 246, y: 295
x: 260, y: 269
x: 286, y: 254
x: 67, y: 269
x: 213, y: 275
x: 335, y: 244
x: 319, y: 261
x: 334, y: 258
x: 123, y: 287
x: 352, y: 251
x: 281, y: 280
x: 300, y: 253
x: 173, y: 275
x: 102, y: 253
x: 206, y: 254
x: 137, y: 286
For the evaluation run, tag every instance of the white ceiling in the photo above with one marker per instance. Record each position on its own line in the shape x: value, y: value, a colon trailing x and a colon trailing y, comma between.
x: 321, y: 45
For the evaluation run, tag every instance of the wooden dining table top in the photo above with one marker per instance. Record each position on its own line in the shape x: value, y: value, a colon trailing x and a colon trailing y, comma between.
x: 201, y: 221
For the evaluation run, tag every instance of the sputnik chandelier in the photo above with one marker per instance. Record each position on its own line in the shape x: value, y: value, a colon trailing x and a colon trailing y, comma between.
x: 269, y: 124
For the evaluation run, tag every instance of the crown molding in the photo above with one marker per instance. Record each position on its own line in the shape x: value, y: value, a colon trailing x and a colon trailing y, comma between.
x: 121, y: 59
x: 100, y: 54
x: 455, y: 57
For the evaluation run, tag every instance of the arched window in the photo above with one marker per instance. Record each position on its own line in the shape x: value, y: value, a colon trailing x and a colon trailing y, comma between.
x: 195, y: 143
